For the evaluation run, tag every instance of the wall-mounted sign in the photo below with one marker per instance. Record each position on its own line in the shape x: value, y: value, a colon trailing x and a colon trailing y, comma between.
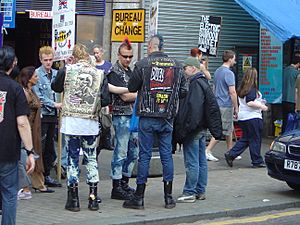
x: 210, y: 27
x: 128, y: 23
x: 270, y: 66
x: 247, y: 62
x: 63, y: 28
x: 8, y: 7
x: 153, y: 17
x: 36, y: 14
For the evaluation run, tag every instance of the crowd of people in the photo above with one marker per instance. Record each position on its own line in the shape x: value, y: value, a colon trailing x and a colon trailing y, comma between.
x: 175, y: 104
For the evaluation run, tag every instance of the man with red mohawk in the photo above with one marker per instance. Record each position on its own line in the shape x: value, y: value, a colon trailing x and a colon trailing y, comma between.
x: 126, y: 146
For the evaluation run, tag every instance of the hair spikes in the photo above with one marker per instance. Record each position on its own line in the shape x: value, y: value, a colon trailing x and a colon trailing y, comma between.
x: 127, y: 41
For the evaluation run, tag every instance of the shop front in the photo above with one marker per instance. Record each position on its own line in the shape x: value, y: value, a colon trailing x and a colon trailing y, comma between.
x: 279, y: 42
x: 33, y: 27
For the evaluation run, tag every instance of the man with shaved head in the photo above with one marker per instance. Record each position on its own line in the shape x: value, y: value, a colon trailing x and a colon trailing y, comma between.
x: 160, y: 82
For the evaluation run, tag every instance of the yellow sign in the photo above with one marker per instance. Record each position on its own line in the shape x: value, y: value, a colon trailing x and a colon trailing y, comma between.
x: 128, y: 23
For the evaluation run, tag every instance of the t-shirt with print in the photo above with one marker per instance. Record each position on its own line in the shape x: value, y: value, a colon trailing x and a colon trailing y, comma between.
x: 223, y: 79
x: 13, y: 103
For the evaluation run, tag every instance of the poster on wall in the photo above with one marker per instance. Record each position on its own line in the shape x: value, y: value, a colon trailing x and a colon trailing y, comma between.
x: 8, y: 9
x: 209, y: 32
x: 270, y: 66
x: 128, y: 23
x: 63, y: 28
x: 153, y: 17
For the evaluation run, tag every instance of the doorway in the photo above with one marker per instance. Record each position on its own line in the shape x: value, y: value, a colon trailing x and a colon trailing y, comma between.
x: 28, y: 36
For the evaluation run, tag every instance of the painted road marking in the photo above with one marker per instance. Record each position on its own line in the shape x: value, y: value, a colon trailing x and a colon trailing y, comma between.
x: 255, y: 219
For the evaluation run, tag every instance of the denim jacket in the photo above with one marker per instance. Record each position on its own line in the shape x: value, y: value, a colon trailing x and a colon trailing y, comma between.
x: 44, y: 92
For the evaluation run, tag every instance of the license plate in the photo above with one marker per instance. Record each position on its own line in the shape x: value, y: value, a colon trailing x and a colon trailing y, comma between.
x: 291, y: 165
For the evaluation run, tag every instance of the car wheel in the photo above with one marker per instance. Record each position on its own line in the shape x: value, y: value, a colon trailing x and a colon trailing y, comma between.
x: 294, y: 186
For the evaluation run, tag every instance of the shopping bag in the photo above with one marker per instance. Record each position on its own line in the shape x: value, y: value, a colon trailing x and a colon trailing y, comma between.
x: 292, y: 122
x: 134, y: 121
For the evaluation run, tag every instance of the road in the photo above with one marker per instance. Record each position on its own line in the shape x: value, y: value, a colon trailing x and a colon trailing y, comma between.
x: 282, y: 217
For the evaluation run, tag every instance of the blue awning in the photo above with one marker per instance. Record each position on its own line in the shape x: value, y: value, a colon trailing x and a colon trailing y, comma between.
x: 281, y: 17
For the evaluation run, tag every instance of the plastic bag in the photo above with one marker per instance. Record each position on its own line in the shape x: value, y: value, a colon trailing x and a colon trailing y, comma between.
x: 134, y: 121
x: 292, y: 122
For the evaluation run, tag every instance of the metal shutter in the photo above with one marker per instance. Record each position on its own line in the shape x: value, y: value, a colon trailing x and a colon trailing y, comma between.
x: 178, y: 22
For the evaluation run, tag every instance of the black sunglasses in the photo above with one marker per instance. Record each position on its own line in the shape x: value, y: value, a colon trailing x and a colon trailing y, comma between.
x: 126, y: 56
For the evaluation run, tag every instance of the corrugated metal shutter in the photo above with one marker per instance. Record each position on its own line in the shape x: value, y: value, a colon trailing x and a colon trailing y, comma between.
x: 178, y: 22
x: 95, y: 7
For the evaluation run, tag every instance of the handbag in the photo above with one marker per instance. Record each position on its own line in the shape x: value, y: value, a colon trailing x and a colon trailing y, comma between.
x: 134, y: 121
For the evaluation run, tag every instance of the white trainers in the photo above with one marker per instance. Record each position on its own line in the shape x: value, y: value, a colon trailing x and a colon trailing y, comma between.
x: 238, y: 157
x: 22, y: 195
x: 210, y: 157
x: 186, y: 198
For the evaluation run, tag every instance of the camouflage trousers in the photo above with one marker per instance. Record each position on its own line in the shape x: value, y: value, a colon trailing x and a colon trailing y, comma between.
x: 88, y: 145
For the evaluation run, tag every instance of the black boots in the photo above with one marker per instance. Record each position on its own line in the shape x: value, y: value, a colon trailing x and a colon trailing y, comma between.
x: 93, y: 200
x: 169, y: 201
x: 137, y: 200
x: 125, y: 186
x: 72, y: 203
x: 118, y: 192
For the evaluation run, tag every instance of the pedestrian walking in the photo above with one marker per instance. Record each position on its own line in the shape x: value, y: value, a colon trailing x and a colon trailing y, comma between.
x: 198, y: 111
x: 160, y: 82
x: 14, y: 127
x: 224, y: 82
x: 250, y: 120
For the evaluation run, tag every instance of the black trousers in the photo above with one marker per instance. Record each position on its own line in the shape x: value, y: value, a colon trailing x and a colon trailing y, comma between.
x: 287, y: 107
x: 49, y: 154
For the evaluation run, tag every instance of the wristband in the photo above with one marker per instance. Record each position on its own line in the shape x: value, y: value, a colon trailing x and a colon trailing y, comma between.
x: 29, y: 152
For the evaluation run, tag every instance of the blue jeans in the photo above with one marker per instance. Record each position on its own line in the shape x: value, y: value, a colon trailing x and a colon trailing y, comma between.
x: 88, y: 146
x: 251, y: 138
x: 64, y: 154
x: 9, y: 189
x: 195, y: 164
x: 24, y: 180
x: 147, y: 128
x: 126, y: 148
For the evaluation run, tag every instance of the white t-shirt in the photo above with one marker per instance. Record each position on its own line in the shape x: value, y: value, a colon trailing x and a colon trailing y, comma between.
x: 246, y: 112
x: 79, y: 126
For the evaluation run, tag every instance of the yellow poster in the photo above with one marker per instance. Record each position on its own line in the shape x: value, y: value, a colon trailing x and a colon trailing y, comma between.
x: 128, y: 23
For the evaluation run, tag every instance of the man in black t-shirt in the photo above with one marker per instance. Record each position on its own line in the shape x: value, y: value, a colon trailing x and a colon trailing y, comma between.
x: 13, y: 125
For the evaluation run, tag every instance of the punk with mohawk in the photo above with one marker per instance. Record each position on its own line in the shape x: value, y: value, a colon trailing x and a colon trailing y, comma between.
x: 125, y: 44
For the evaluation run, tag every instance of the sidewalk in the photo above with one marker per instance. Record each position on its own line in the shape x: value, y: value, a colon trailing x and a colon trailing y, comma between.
x: 235, y: 191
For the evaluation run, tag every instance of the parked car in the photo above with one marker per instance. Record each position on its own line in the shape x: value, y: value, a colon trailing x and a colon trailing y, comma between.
x: 283, y: 159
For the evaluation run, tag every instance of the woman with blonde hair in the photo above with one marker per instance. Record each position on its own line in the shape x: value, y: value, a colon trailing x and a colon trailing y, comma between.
x: 250, y: 120
x: 80, y: 121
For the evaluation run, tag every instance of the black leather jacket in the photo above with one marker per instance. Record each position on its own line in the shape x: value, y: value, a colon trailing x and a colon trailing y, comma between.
x: 160, y: 83
x: 197, y: 111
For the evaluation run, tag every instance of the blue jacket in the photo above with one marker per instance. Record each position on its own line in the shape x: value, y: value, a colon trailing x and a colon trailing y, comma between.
x: 44, y: 92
